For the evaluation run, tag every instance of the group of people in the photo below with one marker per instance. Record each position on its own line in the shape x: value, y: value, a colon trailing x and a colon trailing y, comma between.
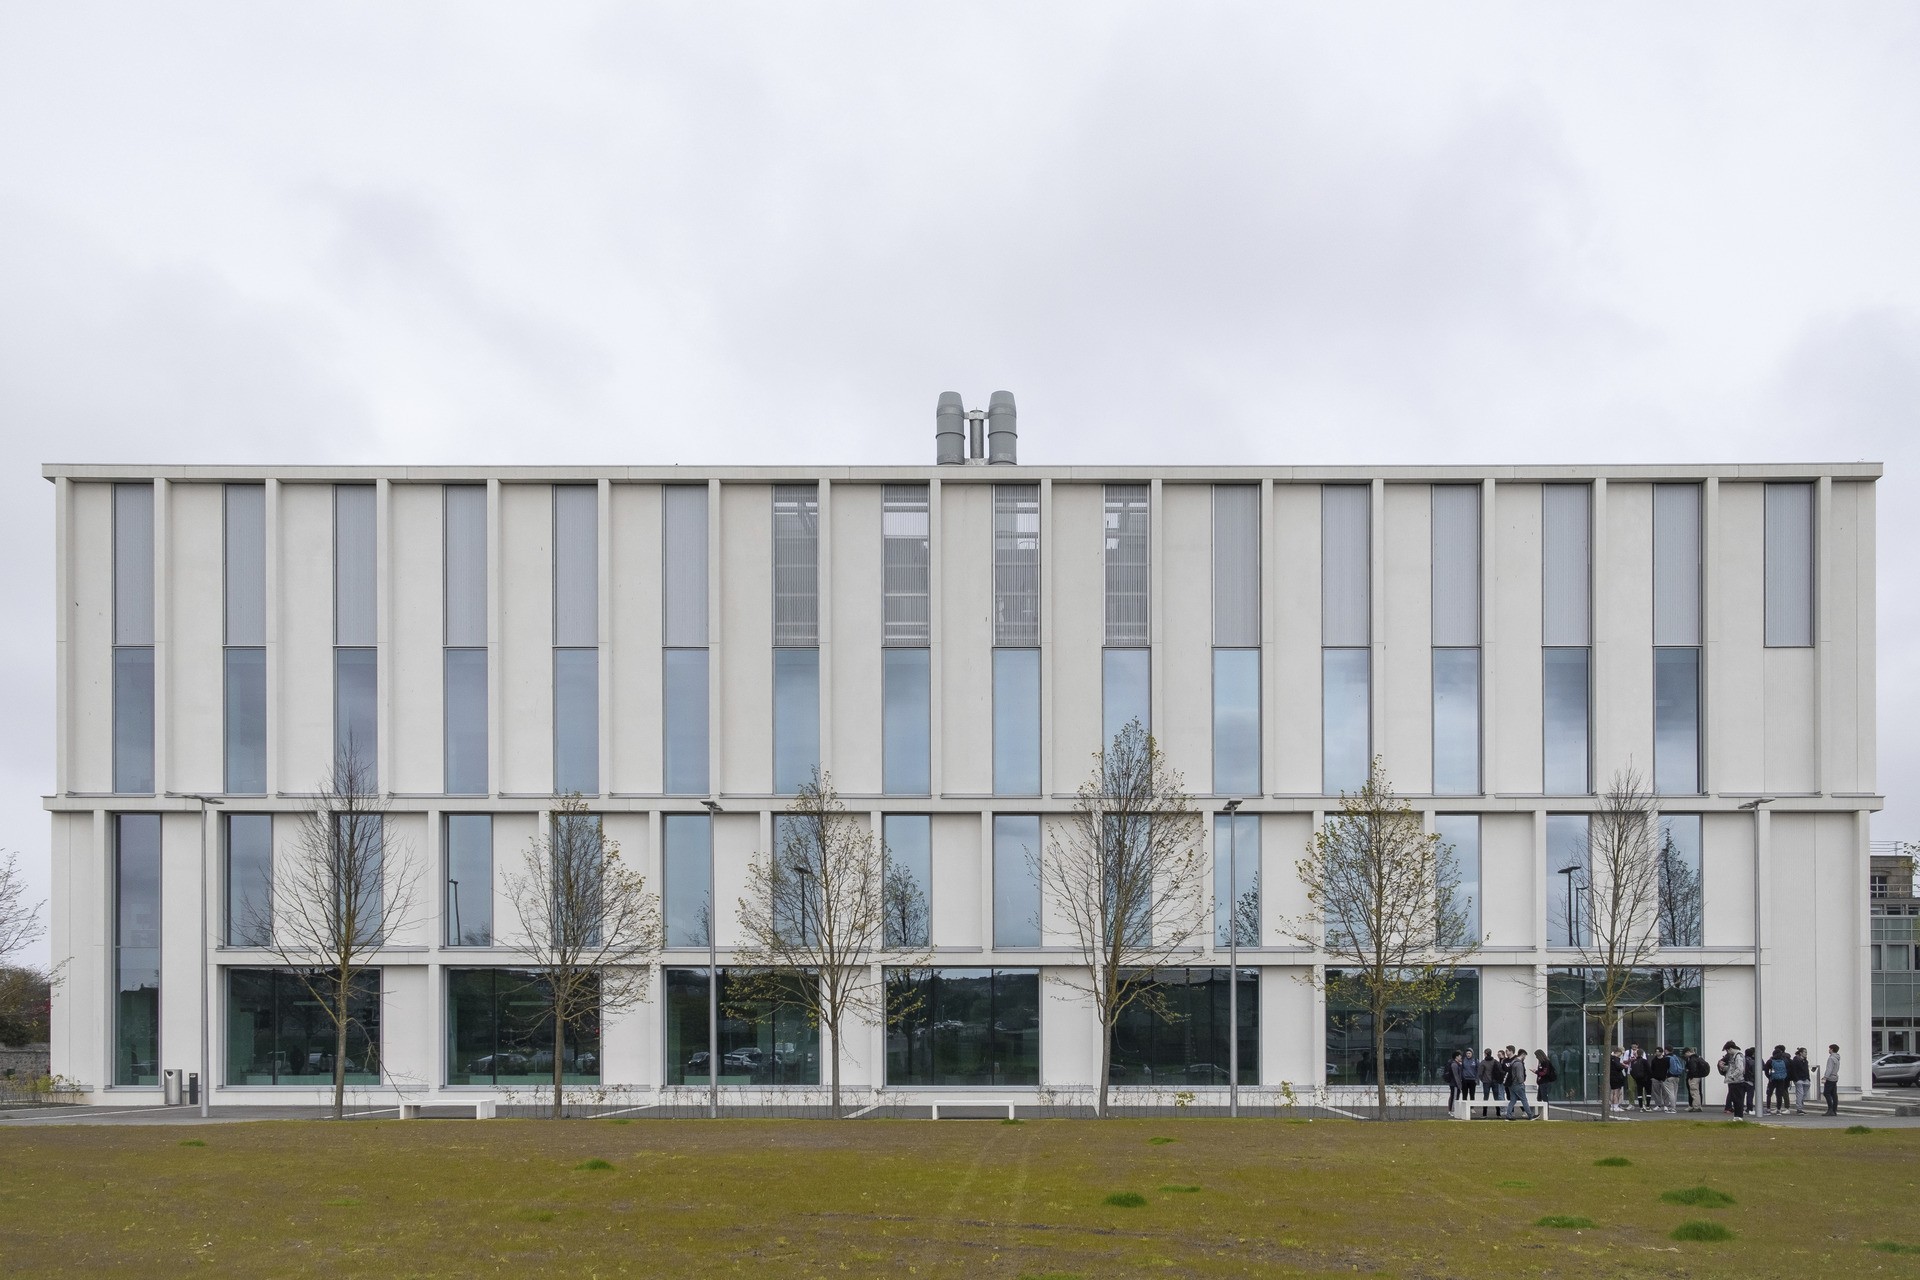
x: 1788, y: 1079
x: 1502, y: 1076
x: 1654, y: 1081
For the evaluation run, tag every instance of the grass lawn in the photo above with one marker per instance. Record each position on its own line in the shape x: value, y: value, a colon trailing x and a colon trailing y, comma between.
x: 957, y: 1198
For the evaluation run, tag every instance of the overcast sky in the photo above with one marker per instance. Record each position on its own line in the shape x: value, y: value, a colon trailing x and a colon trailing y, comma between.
x: 699, y: 232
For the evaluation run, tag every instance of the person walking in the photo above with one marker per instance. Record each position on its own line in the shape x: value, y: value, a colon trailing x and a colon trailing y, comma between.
x: 1544, y: 1076
x: 1733, y: 1070
x: 1830, y: 1080
x: 1493, y: 1074
x: 1800, y: 1076
x: 1517, y: 1082
x: 1616, y: 1078
x: 1697, y: 1072
x: 1776, y: 1072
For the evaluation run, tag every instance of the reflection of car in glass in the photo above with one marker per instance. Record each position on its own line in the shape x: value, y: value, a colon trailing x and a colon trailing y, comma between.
x: 747, y: 1059
x: 1897, y: 1068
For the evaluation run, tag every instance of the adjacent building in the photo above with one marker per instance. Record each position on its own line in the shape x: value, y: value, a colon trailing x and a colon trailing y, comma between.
x: 952, y: 643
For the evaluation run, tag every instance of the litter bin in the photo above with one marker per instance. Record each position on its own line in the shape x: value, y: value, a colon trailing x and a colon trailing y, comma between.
x: 172, y: 1082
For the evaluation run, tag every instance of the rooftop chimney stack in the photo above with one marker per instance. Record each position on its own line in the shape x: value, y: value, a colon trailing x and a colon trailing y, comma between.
x: 1003, y: 434
x: 963, y: 435
x: 949, y: 430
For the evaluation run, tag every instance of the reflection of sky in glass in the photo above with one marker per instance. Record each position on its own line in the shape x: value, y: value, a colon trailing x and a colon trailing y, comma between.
x: 466, y: 722
x: 1016, y: 882
x: 908, y: 888
x: 1676, y: 721
x: 906, y: 735
x: 1236, y: 722
x: 1016, y: 722
x: 1126, y: 691
x: 1680, y: 897
x: 688, y: 849
x: 1564, y: 712
x: 1346, y: 740
x: 1236, y: 845
x: 1566, y: 894
x: 684, y: 707
x: 1461, y: 833
x: 1456, y: 722
x: 796, y: 718
x: 576, y: 721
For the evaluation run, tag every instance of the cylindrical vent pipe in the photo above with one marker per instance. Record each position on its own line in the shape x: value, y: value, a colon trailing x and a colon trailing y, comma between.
x: 1003, y: 434
x: 949, y: 430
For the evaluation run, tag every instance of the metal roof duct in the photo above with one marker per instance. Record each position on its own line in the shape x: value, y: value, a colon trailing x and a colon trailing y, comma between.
x: 949, y: 430
x: 1003, y: 434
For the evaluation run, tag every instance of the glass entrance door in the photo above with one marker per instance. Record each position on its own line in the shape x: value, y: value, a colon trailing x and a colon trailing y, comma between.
x: 1644, y: 1025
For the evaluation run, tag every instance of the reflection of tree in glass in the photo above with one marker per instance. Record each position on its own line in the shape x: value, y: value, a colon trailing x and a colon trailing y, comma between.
x: 1246, y: 916
x: 1679, y: 897
x: 904, y: 905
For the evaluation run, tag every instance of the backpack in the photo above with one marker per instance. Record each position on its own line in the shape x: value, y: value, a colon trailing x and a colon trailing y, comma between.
x: 1697, y: 1068
x: 1547, y: 1074
x: 1776, y: 1069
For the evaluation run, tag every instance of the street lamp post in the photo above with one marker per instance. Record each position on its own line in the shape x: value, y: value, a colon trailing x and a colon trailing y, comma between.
x: 1233, y: 959
x: 206, y: 976
x: 1755, y: 806
x: 1573, y: 905
x: 713, y: 978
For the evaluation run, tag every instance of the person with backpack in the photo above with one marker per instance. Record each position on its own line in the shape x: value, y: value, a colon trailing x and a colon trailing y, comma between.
x: 1697, y: 1072
x: 1658, y: 1074
x: 1800, y: 1076
x: 1733, y: 1070
x: 1544, y: 1075
x: 1641, y: 1072
x: 1777, y: 1070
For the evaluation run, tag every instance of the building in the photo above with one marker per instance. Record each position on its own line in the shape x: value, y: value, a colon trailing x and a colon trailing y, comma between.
x: 1896, y: 948
x: 952, y: 642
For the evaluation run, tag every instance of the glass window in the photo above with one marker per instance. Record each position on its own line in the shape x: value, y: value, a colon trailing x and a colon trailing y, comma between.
x: 1456, y: 722
x: 1565, y: 703
x: 279, y: 1033
x: 469, y: 880
x: 1346, y: 564
x: 907, y: 734
x: 132, y: 564
x: 246, y: 721
x: 464, y: 545
x: 1016, y: 722
x: 964, y: 1027
x: 249, y: 879
x: 1676, y: 564
x: 136, y: 949
x: 1016, y: 880
x: 355, y: 706
x: 1129, y: 564
x: 796, y: 718
x: 1236, y: 565
x: 796, y: 566
x: 465, y: 713
x: 762, y: 1042
x: 1790, y: 565
x: 1566, y: 560
x: 1236, y: 851
x: 1418, y: 1045
x: 1682, y: 903
x: 576, y: 721
x: 355, y: 524
x: 500, y: 1031
x: 1676, y: 721
x: 687, y: 840
x: 903, y: 525
x: 1236, y: 722
x: 1460, y: 833
x: 684, y: 565
x: 1188, y: 1043
x: 1126, y: 691
x: 576, y: 565
x: 360, y: 844
x: 1456, y: 565
x: 244, y: 510
x: 133, y: 720
x: 685, y: 722
x: 1569, y: 873
x: 1016, y: 564
x: 907, y: 891
x: 1346, y: 734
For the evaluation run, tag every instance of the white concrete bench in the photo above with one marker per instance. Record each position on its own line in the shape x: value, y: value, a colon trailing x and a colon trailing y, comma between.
x: 483, y: 1108
x: 992, y: 1103
x: 1465, y: 1107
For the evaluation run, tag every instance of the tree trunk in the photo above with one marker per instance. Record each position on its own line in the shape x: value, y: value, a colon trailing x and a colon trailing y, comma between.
x: 559, y: 1050
x: 1380, y: 1057
x: 833, y: 1071
x: 1106, y: 1063
x: 1607, y: 1022
x: 341, y: 988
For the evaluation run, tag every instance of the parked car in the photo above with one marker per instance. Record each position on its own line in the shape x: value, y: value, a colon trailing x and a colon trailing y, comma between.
x: 1897, y: 1068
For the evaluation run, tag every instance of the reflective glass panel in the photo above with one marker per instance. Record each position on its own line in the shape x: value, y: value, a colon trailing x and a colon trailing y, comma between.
x: 500, y: 1031
x: 963, y: 1027
x: 1346, y: 735
x: 576, y: 721
x: 1682, y: 900
x: 1460, y: 837
x: 1564, y: 703
x: 1126, y: 692
x: 907, y: 891
x: 1236, y: 846
x: 1016, y: 880
x: 687, y: 840
x: 906, y: 735
x: 355, y: 708
x: 1418, y: 1044
x: 469, y: 880
x: 249, y: 879
x: 1183, y: 1038
x: 136, y: 949
x: 465, y: 687
x: 1456, y: 722
x: 246, y: 721
x: 796, y: 718
x: 685, y: 703
x: 1016, y: 722
x: 280, y: 1033
x: 761, y: 1041
x: 1569, y: 866
x: 133, y: 721
x: 1676, y: 721
x: 1236, y: 722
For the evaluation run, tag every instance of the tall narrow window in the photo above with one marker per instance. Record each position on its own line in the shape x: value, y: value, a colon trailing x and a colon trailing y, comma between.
x: 1016, y: 880
x: 687, y: 863
x: 903, y: 524
x: 469, y: 902
x: 245, y: 657
x: 907, y: 728
x: 136, y: 949
x: 1456, y: 639
x: 684, y: 627
x: 907, y: 889
x: 1676, y: 639
x: 1236, y: 639
x: 249, y: 879
x: 1236, y: 879
x: 1682, y: 902
x: 355, y: 630
x: 133, y: 638
x: 1566, y: 634
x: 906, y: 768
x: 796, y: 636
x: 1789, y: 565
x: 1016, y: 637
x: 464, y: 657
x: 1127, y: 663
x: 1569, y: 880
x: 576, y: 639
x: 1346, y: 634
x: 1460, y: 835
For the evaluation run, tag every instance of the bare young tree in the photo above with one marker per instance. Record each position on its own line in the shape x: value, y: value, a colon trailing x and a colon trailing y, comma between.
x: 20, y: 922
x: 814, y: 917
x: 1384, y: 905
x: 589, y: 925
x: 1616, y: 916
x: 1126, y: 873
x: 347, y: 887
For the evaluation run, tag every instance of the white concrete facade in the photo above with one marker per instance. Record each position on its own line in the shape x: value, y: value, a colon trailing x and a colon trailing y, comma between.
x: 1794, y: 724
